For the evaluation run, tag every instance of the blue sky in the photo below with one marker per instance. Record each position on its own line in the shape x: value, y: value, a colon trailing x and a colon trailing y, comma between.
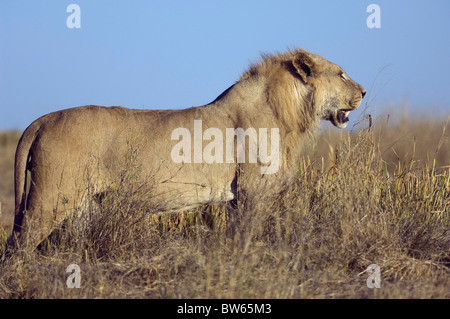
x: 176, y: 54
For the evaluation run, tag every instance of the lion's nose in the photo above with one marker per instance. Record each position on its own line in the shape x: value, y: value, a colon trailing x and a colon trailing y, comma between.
x: 363, y: 93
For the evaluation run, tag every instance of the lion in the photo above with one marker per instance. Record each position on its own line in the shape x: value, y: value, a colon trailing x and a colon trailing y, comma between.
x: 78, y: 152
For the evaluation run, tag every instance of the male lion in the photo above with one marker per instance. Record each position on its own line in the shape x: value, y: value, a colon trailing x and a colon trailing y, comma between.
x: 80, y: 151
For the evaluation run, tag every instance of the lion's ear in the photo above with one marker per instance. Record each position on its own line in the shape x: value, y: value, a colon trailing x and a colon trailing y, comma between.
x: 304, y: 65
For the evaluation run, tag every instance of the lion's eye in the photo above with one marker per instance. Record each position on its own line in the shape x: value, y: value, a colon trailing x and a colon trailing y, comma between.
x: 343, y: 76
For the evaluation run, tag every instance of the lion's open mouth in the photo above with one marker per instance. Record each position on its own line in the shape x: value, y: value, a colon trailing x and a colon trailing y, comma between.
x: 339, y: 118
x: 342, y: 116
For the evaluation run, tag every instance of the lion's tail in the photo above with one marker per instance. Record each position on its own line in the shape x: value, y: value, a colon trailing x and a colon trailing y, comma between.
x: 20, y: 169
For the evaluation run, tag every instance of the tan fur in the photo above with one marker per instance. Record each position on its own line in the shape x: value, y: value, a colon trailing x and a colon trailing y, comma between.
x: 78, y: 152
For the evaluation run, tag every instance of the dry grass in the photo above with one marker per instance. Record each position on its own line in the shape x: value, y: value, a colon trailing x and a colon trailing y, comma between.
x: 378, y: 196
x: 8, y: 143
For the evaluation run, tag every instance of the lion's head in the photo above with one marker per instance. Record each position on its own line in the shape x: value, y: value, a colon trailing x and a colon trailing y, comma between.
x: 336, y: 94
x: 304, y: 88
